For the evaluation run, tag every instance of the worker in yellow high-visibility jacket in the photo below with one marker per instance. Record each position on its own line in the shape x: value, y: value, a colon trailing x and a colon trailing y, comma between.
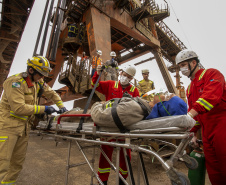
x: 18, y: 106
x: 146, y: 85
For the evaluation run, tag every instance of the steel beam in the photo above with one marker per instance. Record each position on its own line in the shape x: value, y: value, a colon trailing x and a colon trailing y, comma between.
x: 7, y: 36
x: 165, y: 73
x: 98, y: 32
x: 65, y: 94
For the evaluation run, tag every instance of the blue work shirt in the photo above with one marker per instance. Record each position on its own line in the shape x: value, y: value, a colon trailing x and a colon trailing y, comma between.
x: 175, y: 106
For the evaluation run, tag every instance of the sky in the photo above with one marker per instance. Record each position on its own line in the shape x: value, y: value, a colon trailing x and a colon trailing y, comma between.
x: 201, y: 27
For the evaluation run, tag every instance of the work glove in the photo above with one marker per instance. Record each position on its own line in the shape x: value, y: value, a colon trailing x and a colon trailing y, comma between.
x: 62, y: 110
x: 99, y: 69
x: 50, y: 109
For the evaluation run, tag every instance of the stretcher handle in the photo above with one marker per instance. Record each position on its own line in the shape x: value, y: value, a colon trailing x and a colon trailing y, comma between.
x: 72, y: 115
x: 88, y: 102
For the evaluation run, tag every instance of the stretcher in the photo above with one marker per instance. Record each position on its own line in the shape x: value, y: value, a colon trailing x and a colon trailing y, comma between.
x: 159, y: 129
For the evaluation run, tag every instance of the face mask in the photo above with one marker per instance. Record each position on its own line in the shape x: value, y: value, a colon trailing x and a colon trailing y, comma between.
x: 185, y: 71
x: 124, y: 80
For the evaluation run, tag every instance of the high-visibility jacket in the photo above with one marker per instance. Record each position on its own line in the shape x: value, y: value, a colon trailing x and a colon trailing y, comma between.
x: 96, y: 61
x: 207, y: 95
x: 113, y: 89
x: 145, y: 86
x: 19, y: 101
x: 72, y: 30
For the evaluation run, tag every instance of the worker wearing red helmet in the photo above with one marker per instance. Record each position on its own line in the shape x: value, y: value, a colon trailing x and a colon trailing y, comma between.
x: 206, y: 96
x: 18, y: 106
x: 114, y: 89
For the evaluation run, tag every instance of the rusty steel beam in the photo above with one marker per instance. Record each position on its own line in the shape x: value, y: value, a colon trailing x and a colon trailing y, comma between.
x: 65, y: 94
x: 143, y: 61
x: 98, y: 32
x: 7, y: 36
x: 165, y: 73
x: 135, y: 54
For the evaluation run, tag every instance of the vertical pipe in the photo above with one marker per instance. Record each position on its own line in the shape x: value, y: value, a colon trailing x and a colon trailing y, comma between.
x: 53, y: 29
x: 57, y: 34
x: 117, y: 165
x: 40, y: 28
x: 46, y: 28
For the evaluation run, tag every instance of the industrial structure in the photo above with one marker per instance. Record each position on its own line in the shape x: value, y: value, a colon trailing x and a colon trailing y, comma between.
x: 131, y: 28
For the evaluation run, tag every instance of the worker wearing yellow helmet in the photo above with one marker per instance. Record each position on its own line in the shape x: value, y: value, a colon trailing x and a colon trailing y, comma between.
x: 18, y: 107
x: 146, y: 85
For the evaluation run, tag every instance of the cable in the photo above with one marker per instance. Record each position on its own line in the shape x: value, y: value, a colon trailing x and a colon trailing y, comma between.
x: 180, y: 25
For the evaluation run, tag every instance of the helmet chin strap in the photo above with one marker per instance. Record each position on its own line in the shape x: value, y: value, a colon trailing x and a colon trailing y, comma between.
x: 32, y: 74
x: 192, y: 69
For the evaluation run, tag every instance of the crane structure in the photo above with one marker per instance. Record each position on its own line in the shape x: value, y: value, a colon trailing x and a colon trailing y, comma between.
x: 131, y: 28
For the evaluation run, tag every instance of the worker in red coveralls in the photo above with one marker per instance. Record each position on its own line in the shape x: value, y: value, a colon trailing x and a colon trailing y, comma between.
x: 206, y: 96
x: 114, y: 89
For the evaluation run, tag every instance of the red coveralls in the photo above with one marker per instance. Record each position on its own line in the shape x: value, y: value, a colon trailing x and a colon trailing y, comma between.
x: 112, y: 89
x: 207, y: 95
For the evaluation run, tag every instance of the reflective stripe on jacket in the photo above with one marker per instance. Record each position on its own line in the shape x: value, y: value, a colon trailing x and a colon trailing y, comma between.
x: 95, y: 62
x: 19, y: 100
x: 207, y: 95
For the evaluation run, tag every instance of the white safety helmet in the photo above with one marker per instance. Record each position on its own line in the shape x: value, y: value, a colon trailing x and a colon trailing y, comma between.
x: 145, y: 71
x: 113, y: 54
x: 185, y: 55
x: 84, y: 53
x: 99, y: 52
x: 131, y: 70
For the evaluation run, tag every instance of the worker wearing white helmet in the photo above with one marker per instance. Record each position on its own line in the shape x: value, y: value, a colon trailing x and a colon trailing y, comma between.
x: 146, y: 85
x: 114, y: 89
x: 96, y: 60
x: 207, y: 105
x: 111, y: 68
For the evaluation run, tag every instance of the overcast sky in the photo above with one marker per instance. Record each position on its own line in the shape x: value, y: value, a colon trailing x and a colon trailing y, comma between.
x: 201, y: 27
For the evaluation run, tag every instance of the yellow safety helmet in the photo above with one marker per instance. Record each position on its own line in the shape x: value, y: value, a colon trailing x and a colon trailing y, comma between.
x: 40, y: 64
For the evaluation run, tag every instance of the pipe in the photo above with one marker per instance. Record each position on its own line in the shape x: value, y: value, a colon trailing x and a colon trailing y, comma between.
x: 57, y: 34
x: 53, y: 30
x: 46, y: 28
x: 40, y: 28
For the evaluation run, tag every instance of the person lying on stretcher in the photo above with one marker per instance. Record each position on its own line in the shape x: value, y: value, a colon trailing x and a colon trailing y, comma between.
x: 166, y: 104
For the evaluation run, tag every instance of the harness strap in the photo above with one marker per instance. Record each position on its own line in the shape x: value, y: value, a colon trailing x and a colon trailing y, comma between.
x: 116, y: 117
x: 143, y: 107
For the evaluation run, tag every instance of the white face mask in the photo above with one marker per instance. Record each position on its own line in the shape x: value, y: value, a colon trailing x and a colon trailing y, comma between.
x: 124, y: 80
x: 185, y: 71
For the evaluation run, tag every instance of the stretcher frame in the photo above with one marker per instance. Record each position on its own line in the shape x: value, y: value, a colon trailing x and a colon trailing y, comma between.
x: 93, y: 136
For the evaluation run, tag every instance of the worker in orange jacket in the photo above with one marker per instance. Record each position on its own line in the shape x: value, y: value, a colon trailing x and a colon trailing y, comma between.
x: 206, y: 96
x: 18, y: 106
x: 96, y: 61
x: 114, y: 89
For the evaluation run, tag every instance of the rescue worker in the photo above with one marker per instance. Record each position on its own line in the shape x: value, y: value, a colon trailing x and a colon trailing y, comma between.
x: 72, y: 30
x: 18, y: 106
x: 114, y: 89
x: 206, y: 96
x: 83, y: 60
x: 146, y: 85
x: 81, y: 32
x: 96, y: 60
x: 111, y: 68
